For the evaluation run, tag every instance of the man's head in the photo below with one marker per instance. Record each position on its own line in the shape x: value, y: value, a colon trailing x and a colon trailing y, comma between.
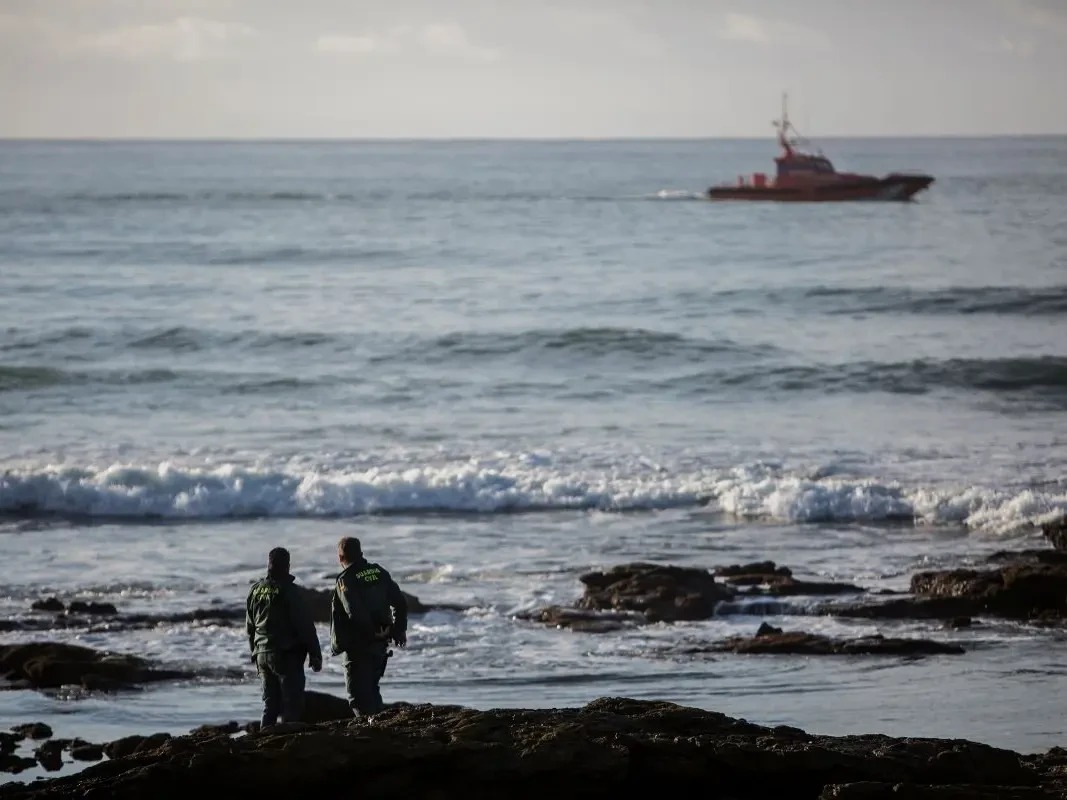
x: 349, y: 550
x: 278, y: 562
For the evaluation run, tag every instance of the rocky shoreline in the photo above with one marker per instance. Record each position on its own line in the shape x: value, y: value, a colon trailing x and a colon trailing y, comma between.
x: 607, y: 748
x: 1024, y: 587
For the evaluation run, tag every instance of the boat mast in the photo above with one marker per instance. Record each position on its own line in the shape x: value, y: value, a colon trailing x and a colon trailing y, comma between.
x: 783, y: 126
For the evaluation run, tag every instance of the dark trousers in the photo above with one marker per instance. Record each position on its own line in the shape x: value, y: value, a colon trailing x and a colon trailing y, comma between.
x: 282, y: 678
x: 364, y: 669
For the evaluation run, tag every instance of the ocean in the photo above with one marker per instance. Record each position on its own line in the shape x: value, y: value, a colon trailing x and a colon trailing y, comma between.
x: 503, y: 364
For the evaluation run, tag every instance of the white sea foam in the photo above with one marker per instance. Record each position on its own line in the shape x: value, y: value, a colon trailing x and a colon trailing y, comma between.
x: 508, y: 483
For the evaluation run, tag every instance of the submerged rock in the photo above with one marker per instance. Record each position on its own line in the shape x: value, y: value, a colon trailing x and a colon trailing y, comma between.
x: 607, y: 749
x: 583, y: 620
x: 49, y: 665
x: 780, y: 581
x: 942, y: 608
x: 1042, y: 556
x: 774, y: 641
x: 15, y: 764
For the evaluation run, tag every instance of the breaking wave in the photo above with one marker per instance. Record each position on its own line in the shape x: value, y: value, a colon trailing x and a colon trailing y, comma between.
x: 511, y: 483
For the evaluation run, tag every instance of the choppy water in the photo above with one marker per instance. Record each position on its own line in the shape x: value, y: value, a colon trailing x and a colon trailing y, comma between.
x: 207, y: 350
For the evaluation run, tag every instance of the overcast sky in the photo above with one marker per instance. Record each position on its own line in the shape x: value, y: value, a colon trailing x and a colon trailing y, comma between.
x: 529, y: 68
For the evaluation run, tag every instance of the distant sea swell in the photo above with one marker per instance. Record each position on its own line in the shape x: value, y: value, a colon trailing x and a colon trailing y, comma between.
x: 669, y: 363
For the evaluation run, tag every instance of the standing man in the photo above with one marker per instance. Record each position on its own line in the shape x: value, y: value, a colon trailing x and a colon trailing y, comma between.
x: 281, y: 634
x: 362, y: 624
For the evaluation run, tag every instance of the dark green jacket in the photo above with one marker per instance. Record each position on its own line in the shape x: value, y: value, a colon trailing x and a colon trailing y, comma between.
x: 278, y: 620
x: 362, y: 613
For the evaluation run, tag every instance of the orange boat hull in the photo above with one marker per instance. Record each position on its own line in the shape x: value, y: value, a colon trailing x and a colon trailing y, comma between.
x: 898, y: 188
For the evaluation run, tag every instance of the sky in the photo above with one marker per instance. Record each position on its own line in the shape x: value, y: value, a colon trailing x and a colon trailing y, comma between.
x: 529, y: 68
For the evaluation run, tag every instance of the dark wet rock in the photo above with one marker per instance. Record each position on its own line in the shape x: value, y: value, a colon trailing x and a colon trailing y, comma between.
x: 9, y: 742
x: 52, y: 604
x: 957, y: 623
x: 1056, y: 533
x: 86, y: 751
x: 50, y: 754
x: 105, y: 617
x: 324, y: 707
x: 95, y: 609
x: 1017, y: 591
x: 252, y: 727
x: 610, y: 748
x: 33, y: 730
x: 49, y: 665
x: 755, y: 568
x: 1027, y: 592
x: 225, y: 729
x: 662, y: 593
x: 791, y: 586
x: 871, y: 790
x: 131, y: 745
x: 777, y: 642
x: 583, y: 620
x: 650, y: 593
x: 15, y: 764
x: 768, y: 630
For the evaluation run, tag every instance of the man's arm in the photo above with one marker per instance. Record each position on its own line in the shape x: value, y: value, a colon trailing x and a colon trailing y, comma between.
x: 400, y: 612
x: 300, y: 616
x: 250, y: 624
x: 339, y: 624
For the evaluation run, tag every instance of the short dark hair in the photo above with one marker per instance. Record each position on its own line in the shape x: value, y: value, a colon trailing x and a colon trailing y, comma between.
x: 350, y: 549
x: 278, y: 561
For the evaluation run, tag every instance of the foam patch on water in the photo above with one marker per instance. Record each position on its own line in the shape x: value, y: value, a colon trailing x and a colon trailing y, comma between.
x: 508, y: 483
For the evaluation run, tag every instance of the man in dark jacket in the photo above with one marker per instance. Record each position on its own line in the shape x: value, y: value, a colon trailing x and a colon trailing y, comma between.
x: 362, y: 624
x: 281, y: 634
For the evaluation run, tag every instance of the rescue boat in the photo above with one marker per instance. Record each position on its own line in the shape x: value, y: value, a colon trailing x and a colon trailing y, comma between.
x: 811, y: 177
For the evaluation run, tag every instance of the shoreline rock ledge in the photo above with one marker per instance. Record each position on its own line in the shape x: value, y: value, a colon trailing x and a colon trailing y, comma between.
x: 605, y: 749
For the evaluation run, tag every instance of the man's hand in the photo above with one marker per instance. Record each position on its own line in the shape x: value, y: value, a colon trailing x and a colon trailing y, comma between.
x: 315, y: 663
x: 400, y: 639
